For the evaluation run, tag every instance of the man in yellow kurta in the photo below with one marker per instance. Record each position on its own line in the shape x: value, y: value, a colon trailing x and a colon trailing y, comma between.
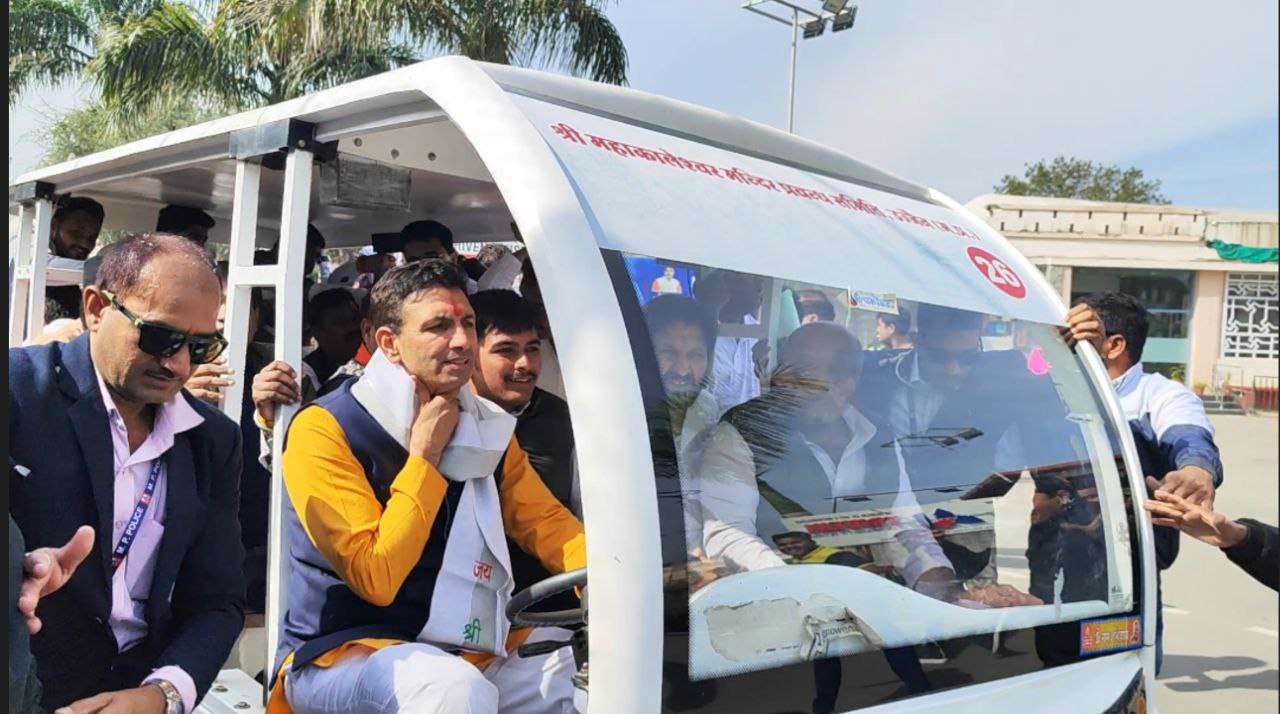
x: 403, y: 486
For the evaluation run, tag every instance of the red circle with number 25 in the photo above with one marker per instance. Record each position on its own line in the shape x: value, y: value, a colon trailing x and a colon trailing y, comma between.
x: 997, y: 272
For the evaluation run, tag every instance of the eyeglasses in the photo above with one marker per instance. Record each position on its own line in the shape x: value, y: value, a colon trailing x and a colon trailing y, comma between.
x: 161, y: 341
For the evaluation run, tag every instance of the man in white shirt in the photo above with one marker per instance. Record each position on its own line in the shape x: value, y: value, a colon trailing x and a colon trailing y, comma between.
x: 735, y: 299
x: 1164, y: 413
x: 684, y: 333
x: 800, y: 450
x: 667, y: 284
x: 684, y: 338
x: 1170, y: 428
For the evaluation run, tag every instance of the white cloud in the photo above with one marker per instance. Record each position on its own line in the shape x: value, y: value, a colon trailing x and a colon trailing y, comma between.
x: 957, y: 94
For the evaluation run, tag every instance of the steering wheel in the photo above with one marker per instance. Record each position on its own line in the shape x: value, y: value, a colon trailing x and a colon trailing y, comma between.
x: 542, y: 590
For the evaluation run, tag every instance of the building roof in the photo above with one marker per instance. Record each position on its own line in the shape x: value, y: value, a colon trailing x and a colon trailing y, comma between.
x: 996, y: 200
x: 1066, y: 231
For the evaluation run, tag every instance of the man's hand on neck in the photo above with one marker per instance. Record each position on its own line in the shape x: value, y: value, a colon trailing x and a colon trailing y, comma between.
x: 434, y: 424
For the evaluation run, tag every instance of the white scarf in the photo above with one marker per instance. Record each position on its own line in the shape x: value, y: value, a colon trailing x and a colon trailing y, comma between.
x: 474, y: 582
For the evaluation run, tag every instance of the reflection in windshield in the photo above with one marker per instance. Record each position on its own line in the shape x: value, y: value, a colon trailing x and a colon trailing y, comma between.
x: 957, y: 464
x: 805, y: 448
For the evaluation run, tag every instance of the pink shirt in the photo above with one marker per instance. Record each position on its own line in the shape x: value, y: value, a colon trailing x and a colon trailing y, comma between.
x: 131, y: 583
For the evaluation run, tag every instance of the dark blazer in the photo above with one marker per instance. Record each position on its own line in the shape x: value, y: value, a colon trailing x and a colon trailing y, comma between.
x: 998, y: 394
x: 60, y: 441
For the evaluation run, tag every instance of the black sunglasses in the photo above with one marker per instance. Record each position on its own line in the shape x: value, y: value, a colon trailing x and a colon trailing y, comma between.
x: 162, y: 341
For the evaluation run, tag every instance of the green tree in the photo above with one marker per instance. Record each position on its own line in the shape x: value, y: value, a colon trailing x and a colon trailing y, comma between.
x: 87, y: 130
x: 1076, y: 178
x: 149, y: 58
x: 47, y: 42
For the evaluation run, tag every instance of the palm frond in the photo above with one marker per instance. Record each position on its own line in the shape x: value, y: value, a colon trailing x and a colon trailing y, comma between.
x: 49, y: 41
x: 486, y: 30
x: 313, y: 72
x: 169, y: 56
x: 319, y: 27
x: 574, y: 36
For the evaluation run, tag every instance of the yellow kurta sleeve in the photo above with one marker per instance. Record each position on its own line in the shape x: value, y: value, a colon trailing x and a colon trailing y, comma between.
x: 372, y: 548
x: 535, y: 520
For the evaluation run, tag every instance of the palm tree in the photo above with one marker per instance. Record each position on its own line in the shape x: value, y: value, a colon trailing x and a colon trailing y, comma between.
x: 146, y: 55
x: 570, y: 35
x: 47, y: 42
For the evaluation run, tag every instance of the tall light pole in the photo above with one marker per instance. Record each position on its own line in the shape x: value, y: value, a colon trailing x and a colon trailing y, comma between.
x: 836, y: 12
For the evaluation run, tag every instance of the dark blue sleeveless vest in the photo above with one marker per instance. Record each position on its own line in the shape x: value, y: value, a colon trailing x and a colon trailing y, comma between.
x: 322, y: 611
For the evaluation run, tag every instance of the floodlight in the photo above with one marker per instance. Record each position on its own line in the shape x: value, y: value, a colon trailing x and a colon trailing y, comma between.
x: 813, y: 28
x: 844, y: 20
x: 834, y: 6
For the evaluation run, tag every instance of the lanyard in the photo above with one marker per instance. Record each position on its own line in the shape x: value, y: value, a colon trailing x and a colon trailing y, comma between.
x: 135, y: 521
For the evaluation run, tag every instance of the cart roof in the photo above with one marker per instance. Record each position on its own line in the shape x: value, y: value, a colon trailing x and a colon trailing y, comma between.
x: 192, y: 166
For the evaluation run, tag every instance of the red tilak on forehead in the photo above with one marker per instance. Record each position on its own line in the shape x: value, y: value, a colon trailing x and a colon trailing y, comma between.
x: 458, y: 309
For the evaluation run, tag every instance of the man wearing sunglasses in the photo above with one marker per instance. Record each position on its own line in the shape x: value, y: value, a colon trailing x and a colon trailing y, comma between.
x: 103, y: 435
x: 915, y: 393
x: 949, y: 392
x: 962, y: 416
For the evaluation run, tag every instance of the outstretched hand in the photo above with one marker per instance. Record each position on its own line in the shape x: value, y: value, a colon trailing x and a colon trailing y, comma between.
x: 1191, y: 483
x: 44, y: 570
x: 1169, y: 509
x: 999, y: 596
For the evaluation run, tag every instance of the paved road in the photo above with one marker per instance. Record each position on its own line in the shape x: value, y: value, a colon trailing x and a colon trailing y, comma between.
x: 1221, y: 629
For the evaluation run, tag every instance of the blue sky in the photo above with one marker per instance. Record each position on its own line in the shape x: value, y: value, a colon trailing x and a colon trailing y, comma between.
x: 955, y: 95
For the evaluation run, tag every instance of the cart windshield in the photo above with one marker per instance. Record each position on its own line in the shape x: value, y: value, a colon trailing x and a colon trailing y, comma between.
x: 844, y: 472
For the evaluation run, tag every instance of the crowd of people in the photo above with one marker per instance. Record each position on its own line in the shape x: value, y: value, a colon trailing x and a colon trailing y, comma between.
x: 432, y: 470
x: 136, y: 360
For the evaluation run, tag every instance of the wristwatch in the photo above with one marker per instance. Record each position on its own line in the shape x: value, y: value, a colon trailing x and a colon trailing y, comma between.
x: 172, y: 697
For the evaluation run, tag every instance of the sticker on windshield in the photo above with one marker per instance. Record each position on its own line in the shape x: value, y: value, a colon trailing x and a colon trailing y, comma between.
x: 1110, y: 634
x: 1037, y: 364
x: 873, y: 302
x: 997, y: 272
